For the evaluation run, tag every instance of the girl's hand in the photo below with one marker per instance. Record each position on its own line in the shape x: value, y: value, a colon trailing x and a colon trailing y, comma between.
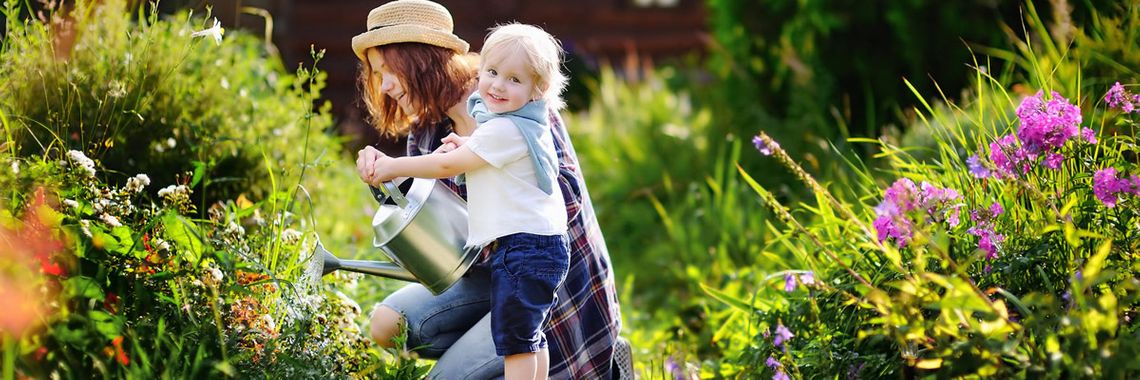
x: 366, y: 163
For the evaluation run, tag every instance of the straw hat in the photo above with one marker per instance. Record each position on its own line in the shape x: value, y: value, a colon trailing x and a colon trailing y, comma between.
x: 409, y: 21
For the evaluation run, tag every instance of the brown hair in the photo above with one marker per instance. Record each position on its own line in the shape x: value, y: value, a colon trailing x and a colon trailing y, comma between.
x: 440, y: 79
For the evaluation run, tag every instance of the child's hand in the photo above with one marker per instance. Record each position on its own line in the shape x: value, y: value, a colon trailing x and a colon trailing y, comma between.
x: 446, y: 147
x: 453, y: 141
x: 382, y: 170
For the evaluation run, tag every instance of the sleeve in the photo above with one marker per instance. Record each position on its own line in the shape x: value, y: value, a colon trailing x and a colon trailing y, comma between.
x: 569, y: 176
x: 499, y: 142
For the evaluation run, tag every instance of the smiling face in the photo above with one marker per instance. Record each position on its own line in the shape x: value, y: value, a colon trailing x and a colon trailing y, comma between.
x: 507, y: 84
x: 390, y: 84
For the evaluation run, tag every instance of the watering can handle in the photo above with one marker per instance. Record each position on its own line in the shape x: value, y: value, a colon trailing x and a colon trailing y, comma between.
x: 390, y: 190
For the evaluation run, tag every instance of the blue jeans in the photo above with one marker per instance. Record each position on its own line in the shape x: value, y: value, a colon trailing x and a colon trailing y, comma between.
x: 453, y: 327
x: 526, y: 269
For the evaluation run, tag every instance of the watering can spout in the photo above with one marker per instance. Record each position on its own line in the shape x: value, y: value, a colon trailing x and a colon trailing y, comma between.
x: 376, y: 268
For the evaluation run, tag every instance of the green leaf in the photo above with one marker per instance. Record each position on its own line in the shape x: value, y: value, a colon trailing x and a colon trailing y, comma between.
x: 82, y: 287
x: 125, y: 241
x: 734, y: 302
x: 185, y: 236
x: 1096, y: 262
x: 109, y: 325
x: 199, y: 172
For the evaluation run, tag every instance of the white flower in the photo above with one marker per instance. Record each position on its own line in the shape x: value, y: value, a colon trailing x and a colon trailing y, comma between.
x: 137, y: 183
x: 116, y: 89
x: 111, y: 220
x: 215, y: 31
x: 290, y: 236
x: 234, y: 229
x: 85, y: 226
x: 71, y: 203
x: 82, y: 161
x: 161, y: 245
x: 215, y: 274
x: 268, y: 319
x: 15, y: 167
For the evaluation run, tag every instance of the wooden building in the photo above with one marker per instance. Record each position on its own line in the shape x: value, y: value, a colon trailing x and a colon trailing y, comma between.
x: 596, y: 31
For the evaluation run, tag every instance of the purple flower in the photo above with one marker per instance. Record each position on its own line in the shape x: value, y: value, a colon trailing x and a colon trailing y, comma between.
x: 1089, y: 135
x: 780, y: 375
x: 995, y: 209
x: 1106, y: 186
x: 763, y: 147
x: 1009, y: 158
x: 1053, y: 160
x: 1117, y: 97
x: 977, y: 168
x: 772, y: 363
x: 782, y: 335
x: 789, y: 282
x: 1047, y: 124
x: 673, y: 368
x: 807, y: 278
x: 988, y: 240
x: 938, y: 204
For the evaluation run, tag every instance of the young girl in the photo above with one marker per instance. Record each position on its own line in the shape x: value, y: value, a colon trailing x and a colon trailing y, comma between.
x: 514, y: 204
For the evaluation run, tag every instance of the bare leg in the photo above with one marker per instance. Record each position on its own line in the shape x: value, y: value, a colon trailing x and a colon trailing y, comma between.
x: 543, y: 364
x: 521, y: 366
x: 385, y: 325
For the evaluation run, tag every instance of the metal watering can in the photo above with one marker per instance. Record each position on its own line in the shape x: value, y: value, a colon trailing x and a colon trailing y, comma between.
x: 423, y: 235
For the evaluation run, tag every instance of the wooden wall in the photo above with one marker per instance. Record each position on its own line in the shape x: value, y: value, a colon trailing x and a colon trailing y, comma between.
x: 596, y: 31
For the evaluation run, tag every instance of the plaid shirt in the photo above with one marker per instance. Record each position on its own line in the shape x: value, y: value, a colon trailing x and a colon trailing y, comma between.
x: 584, y: 324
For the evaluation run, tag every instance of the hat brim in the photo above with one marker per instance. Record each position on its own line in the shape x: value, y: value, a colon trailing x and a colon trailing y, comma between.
x: 406, y: 33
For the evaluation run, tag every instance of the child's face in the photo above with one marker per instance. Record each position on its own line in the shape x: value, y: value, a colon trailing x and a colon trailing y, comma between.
x: 506, y: 85
x: 390, y: 84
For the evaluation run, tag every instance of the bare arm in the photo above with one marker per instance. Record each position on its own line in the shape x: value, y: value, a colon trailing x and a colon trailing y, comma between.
x: 439, y: 165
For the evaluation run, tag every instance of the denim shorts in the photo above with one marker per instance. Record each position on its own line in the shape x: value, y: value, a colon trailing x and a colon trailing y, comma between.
x: 526, y: 269
x: 453, y: 327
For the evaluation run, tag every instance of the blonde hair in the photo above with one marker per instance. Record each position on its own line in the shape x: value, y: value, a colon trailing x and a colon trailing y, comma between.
x: 542, y: 51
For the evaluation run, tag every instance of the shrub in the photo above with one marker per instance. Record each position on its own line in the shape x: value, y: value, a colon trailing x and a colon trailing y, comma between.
x: 1004, y: 254
x: 142, y: 95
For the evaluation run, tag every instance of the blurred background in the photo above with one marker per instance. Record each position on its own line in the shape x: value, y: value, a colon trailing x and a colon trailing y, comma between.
x: 664, y: 101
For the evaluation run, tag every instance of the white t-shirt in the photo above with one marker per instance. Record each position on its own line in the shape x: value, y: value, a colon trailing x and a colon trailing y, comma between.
x: 503, y: 197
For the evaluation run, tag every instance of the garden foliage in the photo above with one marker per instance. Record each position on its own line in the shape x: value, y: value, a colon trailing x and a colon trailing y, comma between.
x: 114, y: 122
x: 813, y: 292
x: 1007, y: 250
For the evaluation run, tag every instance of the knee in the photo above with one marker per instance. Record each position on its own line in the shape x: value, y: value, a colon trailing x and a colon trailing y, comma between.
x: 384, y: 325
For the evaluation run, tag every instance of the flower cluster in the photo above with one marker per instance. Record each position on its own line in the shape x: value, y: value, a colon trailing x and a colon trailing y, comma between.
x: 988, y: 240
x: 80, y: 161
x: 938, y: 204
x: 1107, y: 187
x: 1118, y: 98
x: 1046, y: 126
x: 176, y: 197
x: 765, y: 147
x: 806, y: 278
x: 779, y: 338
